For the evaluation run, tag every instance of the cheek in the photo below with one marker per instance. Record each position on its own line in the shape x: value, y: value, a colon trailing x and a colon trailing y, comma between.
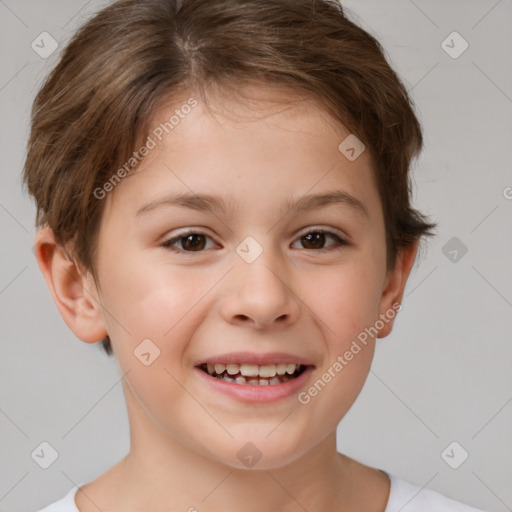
x: 150, y: 300
x: 346, y: 303
x: 347, y: 310
x: 345, y: 300
x: 155, y: 307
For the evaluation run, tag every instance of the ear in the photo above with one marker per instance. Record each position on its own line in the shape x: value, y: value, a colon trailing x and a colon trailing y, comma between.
x: 75, y: 296
x: 394, y: 286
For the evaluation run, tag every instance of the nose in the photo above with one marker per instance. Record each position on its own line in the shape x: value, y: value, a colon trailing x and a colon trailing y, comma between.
x: 260, y: 294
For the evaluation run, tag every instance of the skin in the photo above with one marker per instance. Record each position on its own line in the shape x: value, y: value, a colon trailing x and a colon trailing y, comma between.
x: 293, y: 298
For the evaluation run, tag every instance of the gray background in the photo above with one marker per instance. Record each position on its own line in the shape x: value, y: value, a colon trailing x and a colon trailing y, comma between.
x: 444, y: 373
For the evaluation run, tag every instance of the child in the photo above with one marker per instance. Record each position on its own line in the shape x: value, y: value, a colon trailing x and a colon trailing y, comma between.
x: 261, y: 128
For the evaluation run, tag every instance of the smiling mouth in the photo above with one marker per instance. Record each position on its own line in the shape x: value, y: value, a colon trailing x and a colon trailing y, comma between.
x: 252, y: 374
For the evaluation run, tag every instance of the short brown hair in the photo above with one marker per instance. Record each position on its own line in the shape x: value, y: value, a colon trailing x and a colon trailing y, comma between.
x: 134, y: 55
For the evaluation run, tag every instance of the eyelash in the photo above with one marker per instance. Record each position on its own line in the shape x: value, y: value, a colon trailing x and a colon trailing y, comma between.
x: 340, y: 242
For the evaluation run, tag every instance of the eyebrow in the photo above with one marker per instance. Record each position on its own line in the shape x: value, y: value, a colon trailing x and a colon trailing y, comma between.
x: 314, y: 201
x: 213, y: 203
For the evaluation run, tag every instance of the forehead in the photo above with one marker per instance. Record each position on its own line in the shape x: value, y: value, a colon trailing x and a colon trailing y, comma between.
x: 280, y: 139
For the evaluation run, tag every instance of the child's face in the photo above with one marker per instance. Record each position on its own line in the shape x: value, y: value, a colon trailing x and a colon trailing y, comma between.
x: 212, y: 299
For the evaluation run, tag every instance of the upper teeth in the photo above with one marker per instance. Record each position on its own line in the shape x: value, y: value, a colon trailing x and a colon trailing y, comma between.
x: 253, y: 370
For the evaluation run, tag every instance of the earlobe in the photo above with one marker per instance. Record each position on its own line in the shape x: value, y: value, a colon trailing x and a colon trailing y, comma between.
x: 393, y: 291
x: 78, y: 304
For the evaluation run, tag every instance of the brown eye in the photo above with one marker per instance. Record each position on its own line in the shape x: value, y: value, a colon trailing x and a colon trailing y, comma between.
x: 316, y: 239
x: 193, y: 242
x: 187, y: 242
x: 313, y: 240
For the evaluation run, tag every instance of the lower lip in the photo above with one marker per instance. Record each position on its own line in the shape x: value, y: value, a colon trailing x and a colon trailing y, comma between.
x: 256, y: 393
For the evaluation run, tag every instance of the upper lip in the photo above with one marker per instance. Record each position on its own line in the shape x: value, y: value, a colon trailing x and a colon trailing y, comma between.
x: 253, y: 358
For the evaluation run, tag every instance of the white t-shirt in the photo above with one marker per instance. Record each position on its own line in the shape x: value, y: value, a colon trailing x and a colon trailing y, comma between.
x: 403, y: 497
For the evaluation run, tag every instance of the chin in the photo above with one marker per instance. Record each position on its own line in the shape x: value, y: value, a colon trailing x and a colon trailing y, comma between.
x: 259, y: 453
